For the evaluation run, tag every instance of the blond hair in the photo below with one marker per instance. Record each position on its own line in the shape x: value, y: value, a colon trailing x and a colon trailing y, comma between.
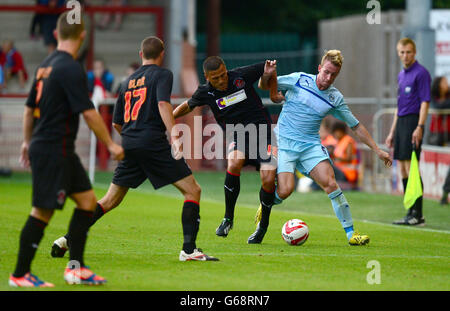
x: 334, y: 56
x: 405, y: 41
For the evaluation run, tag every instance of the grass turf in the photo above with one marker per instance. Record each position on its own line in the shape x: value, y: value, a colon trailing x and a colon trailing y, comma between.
x: 136, y: 246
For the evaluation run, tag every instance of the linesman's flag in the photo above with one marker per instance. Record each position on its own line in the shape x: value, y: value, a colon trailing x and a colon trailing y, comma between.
x: 414, y: 186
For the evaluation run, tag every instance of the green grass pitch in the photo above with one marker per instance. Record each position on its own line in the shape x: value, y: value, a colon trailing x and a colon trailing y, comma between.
x: 136, y: 246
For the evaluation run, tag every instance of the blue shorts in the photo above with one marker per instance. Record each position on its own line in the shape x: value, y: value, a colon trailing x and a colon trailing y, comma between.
x: 304, y: 161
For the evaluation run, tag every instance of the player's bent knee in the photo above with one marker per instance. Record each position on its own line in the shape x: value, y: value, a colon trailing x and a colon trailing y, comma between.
x: 284, y: 192
x: 268, y: 184
x: 113, y: 197
x: 235, y: 165
x: 88, y: 203
x: 331, y: 186
x: 196, y: 191
x: 192, y: 192
x: 234, y: 169
x: 42, y: 214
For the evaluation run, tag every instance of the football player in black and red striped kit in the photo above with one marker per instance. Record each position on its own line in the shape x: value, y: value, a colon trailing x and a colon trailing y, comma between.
x: 234, y: 101
x: 142, y: 115
x: 58, y: 96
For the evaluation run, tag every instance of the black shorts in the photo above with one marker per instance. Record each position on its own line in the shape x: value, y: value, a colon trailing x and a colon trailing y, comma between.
x: 55, y: 178
x: 403, y: 137
x: 258, y: 146
x: 156, y: 164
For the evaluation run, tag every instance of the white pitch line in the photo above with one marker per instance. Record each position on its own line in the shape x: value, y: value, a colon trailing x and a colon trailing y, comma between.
x: 177, y: 196
x: 335, y: 255
x: 258, y: 253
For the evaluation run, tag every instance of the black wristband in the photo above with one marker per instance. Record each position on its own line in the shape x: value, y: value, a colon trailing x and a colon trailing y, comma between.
x: 421, y: 126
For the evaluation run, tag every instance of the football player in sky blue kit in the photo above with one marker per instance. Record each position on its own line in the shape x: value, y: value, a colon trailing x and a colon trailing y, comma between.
x: 308, y: 99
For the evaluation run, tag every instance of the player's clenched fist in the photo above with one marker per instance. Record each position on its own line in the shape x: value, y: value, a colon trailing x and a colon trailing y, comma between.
x: 116, y: 151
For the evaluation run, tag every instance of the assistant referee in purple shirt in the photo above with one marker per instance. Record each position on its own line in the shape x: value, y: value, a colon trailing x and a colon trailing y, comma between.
x: 407, y: 129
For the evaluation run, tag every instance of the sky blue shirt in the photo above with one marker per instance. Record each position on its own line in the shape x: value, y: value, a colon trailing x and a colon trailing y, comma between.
x: 305, y: 107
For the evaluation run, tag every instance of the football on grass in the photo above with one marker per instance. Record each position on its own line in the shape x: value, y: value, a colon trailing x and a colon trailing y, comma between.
x: 295, y: 232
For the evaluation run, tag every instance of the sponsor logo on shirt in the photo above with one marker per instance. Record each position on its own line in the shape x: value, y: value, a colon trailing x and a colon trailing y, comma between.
x: 407, y: 89
x: 239, y: 83
x: 231, y: 99
x: 61, y: 197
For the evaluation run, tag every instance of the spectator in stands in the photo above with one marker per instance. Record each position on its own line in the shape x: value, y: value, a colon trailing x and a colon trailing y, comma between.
x: 36, y: 23
x: 446, y: 189
x: 100, y: 82
x: 2, y: 66
x: 326, y: 138
x: 118, y: 17
x: 13, y: 65
x: 440, y: 124
x: 345, y: 155
x: 100, y: 76
x: 123, y: 80
x: 48, y: 22
x: 328, y: 141
x: 2, y: 78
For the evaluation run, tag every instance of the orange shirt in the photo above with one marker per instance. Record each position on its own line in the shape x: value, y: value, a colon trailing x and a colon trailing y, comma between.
x: 350, y: 166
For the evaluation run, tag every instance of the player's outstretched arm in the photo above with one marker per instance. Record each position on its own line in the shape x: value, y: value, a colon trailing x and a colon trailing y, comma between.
x: 362, y: 133
x: 167, y: 116
x: 27, y: 132
x: 390, y: 138
x: 96, y: 124
x: 270, y: 70
x: 268, y: 81
x: 181, y: 110
x: 275, y: 95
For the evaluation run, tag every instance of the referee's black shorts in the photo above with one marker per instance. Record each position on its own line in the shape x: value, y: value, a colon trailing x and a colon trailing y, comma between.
x: 55, y: 177
x: 156, y: 164
x: 403, y: 137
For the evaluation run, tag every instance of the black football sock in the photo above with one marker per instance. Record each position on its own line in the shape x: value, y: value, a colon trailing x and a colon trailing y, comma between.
x: 190, y: 220
x: 232, y: 188
x: 31, y: 236
x: 405, y: 182
x: 266, y: 199
x: 78, y: 229
x: 98, y: 213
x: 417, y: 207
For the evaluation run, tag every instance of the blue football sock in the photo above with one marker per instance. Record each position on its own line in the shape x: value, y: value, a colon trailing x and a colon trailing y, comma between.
x: 342, y: 211
x: 349, y: 231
